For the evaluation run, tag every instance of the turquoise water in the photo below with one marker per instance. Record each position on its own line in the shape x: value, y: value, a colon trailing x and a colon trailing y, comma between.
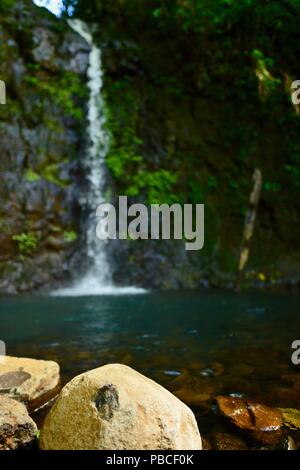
x: 161, y: 334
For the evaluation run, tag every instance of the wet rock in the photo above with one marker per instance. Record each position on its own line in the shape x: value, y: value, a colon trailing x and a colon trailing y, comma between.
x: 44, y: 49
x: 262, y: 422
x: 288, y: 443
x: 17, y: 429
x: 31, y: 381
x: 226, y: 441
x: 115, y: 407
x: 193, y: 398
x: 291, y: 418
x: 218, y: 368
x: 12, y: 379
x: 208, y: 372
x: 241, y: 370
x: 44, y: 68
x: 206, y: 444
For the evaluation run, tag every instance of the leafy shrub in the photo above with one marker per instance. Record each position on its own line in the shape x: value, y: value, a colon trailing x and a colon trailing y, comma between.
x: 27, y: 242
x: 70, y: 236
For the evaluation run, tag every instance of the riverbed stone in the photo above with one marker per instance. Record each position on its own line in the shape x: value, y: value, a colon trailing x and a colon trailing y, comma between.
x: 116, y: 408
x: 17, y: 429
x: 31, y: 381
x: 227, y: 441
x: 192, y: 397
x: 291, y: 418
x: 262, y: 422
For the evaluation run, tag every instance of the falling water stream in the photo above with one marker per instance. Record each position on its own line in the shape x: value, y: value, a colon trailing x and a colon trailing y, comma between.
x: 98, y: 279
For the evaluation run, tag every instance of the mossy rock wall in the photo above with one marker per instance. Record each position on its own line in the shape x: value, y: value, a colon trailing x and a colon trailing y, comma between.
x: 43, y: 63
x: 190, y: 121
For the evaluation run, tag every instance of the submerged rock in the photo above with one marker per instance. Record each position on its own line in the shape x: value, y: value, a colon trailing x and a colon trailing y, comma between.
x: 193, y: 398
x: 17, y: 429
x: 226, y: 441
x: 116, y: 408
x: 262, y: 422
x: 288, y: 443
x: 31, y: 381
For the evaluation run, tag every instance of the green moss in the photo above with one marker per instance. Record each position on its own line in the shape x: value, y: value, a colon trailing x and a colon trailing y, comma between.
x: 31, y: 80
x: 51, y: 174
x: 6, y: 5
x: 267, y: 82
x: 212, y: 182
x: 55, y: 229
x: 124, y: 154
x: 272, y: 186
x: 26, y: 242
x: 63, y: 90
x: 31, y: 176
x: 70, y: 237
x: 157, y: 184
x: 125, y: 157
x: 295, y: 172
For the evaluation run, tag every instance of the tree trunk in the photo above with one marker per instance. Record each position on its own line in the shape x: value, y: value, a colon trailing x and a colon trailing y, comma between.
x: 249, y: 226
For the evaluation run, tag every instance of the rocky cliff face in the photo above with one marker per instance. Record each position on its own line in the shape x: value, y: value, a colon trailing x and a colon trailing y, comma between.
x: 43, y: 63
x: 191, y: 116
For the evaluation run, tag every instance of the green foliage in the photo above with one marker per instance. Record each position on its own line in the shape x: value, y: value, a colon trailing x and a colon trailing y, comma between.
x: 27, y: 242
x: 196, y: 192
x: 122, y: 158
x: 271, y: 186
x: 233, y: 185
x: 31, y: 80
x: 295, y: 172
x: 62, y: 91
x: 70, y: 237
x: 125, y: 158
x: 51, y: 174
x: 55, y: 229
x: 203, y: 15
x: 212, y: 182
x: 267, y: 82
x: 6, y: 5
x: 33, y: 66
x: 157, y: 184
x: 31, y: 176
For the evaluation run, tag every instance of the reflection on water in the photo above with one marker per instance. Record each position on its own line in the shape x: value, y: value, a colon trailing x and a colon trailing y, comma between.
x: 201, y: 343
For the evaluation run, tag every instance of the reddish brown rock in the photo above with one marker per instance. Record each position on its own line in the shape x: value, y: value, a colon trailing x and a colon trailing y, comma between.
x: 262, y: 422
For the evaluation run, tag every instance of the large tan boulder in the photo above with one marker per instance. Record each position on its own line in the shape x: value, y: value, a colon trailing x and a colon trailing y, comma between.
x: 17, y: 429
x: 31, y: 381
x: 116, y: 408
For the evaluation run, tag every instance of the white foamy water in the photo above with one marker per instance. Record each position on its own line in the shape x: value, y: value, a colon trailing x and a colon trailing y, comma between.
x: 89, y: 285
x: 98, y: 279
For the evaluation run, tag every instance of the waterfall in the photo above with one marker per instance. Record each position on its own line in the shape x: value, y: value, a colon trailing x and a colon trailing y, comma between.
x: 98, y: 278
